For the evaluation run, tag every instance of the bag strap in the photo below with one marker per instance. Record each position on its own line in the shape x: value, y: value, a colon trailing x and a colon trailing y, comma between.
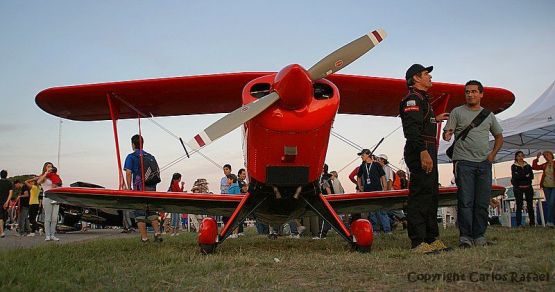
x: 475, y: 123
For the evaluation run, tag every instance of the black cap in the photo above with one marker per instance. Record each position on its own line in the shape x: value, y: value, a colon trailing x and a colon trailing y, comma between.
x: 364, y: 151
x: 415, y: 69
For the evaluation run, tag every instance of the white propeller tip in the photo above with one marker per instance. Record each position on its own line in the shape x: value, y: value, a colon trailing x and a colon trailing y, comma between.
x: 377, y: 36
x: 382, y: 32
x: 199, y: 141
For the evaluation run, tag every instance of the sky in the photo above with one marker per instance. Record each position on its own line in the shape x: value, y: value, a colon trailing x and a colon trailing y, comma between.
x: 506, y: 44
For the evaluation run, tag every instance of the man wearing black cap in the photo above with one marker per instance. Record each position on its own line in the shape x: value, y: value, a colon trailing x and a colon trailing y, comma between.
x: 419, y: 127
x: 370, y: 177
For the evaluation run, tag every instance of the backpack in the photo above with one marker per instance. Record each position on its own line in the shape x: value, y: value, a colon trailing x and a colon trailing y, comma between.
x: 396, y: 181
x: 151, y: 169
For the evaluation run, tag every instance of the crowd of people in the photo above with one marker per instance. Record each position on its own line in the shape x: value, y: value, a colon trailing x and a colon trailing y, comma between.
x: 30, y: 203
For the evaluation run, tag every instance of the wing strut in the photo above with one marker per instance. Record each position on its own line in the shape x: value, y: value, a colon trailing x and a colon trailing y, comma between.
x: 141, y: 154
x: 150, y: 118
x: 115, y: 115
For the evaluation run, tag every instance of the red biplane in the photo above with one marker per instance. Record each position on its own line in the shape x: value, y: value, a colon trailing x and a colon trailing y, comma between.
x: 286, y: 116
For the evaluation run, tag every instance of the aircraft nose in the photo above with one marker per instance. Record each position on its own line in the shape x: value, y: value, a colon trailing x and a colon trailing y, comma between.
x: 294, y: 87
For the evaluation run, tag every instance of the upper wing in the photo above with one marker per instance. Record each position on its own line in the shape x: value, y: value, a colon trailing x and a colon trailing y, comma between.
x: 202, y: 94
x: 391, y: 200
x: 221, y: 93
x: 205, y: 204
x: 380, y: 96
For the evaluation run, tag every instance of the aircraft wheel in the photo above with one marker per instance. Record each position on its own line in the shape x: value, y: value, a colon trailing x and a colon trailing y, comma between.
x: 208, y: 235
x: 363, y: 236
x: 362, y: 249
x: 207, y: 248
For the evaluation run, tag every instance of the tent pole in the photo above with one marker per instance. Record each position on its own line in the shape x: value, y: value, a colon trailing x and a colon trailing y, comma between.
x: 494, y: 173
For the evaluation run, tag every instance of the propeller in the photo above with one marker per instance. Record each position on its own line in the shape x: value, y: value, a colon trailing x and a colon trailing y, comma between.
x: 346, y: 54
x: 328, y: 65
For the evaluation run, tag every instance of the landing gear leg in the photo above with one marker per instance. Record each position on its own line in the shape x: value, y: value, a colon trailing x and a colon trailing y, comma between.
x: 209, y: 238
x: 359, y: 237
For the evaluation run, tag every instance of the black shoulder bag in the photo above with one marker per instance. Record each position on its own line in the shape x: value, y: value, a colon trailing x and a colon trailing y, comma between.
x: 475, y: 123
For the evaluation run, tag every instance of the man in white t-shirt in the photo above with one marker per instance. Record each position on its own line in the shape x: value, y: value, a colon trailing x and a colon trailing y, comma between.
x: 389, y: 173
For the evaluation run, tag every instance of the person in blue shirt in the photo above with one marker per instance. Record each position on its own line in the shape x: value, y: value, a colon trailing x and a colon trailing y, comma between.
x: 224, y: 186
x: 132, y: 168
x: 233, y: 186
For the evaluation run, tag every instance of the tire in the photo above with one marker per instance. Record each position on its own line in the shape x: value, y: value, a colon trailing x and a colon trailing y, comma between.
x: 207, y: 248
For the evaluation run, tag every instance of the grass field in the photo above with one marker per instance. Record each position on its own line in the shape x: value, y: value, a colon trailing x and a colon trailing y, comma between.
x: 256, y: 263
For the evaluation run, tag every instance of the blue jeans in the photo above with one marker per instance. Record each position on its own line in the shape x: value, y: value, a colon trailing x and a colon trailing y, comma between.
x: 23, y: 220
x: 261, y: 228
x: 293, y: 227
x: 176, y: 219
x: 550, y: 198
x: 383, y: 218
x: 474, y: 191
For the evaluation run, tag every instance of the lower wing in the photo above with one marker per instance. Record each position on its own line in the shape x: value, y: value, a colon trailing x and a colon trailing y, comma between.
x: 392, y: 200
x: 206, y: 204
x: 217, y: 204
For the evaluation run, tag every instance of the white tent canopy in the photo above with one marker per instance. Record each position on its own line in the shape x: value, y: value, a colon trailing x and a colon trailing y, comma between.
x: 531, y: 131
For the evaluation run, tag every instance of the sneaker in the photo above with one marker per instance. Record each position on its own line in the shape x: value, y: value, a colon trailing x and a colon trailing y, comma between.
x: 301, y: 229
x: 31, y: 234
x: 549, y: 224
x: 48, y: 238
x: 172, y: 235
x: 319, y: 237
x: 483, y: 242
x: 438, y: 245
x: 465, y: 244
x: 2, y: 235
x: 233, y: 235
x: 296, y: 236
x: 54, y: 238
x: 240, y: 234
x: 158, y: 237
x: 41, y: 232
x: 423, y: 248
x: 144, y: 240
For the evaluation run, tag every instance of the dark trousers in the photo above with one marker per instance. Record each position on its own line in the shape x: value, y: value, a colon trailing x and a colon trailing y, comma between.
x: 261, y: 228
x: 528, y: 192
x: 23, y: 220
x: 325, y: 227
x: 240, y: 228
x: 423, y: 197
x: 33, y: 212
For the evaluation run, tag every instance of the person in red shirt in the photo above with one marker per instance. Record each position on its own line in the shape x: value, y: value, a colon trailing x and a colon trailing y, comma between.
x: 54, y: 177
x: 176, y: 186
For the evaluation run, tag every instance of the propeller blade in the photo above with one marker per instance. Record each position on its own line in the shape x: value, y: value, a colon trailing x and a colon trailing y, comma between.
x: 232, y: 120
x: 328, y: 65
x: 346, y: 54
